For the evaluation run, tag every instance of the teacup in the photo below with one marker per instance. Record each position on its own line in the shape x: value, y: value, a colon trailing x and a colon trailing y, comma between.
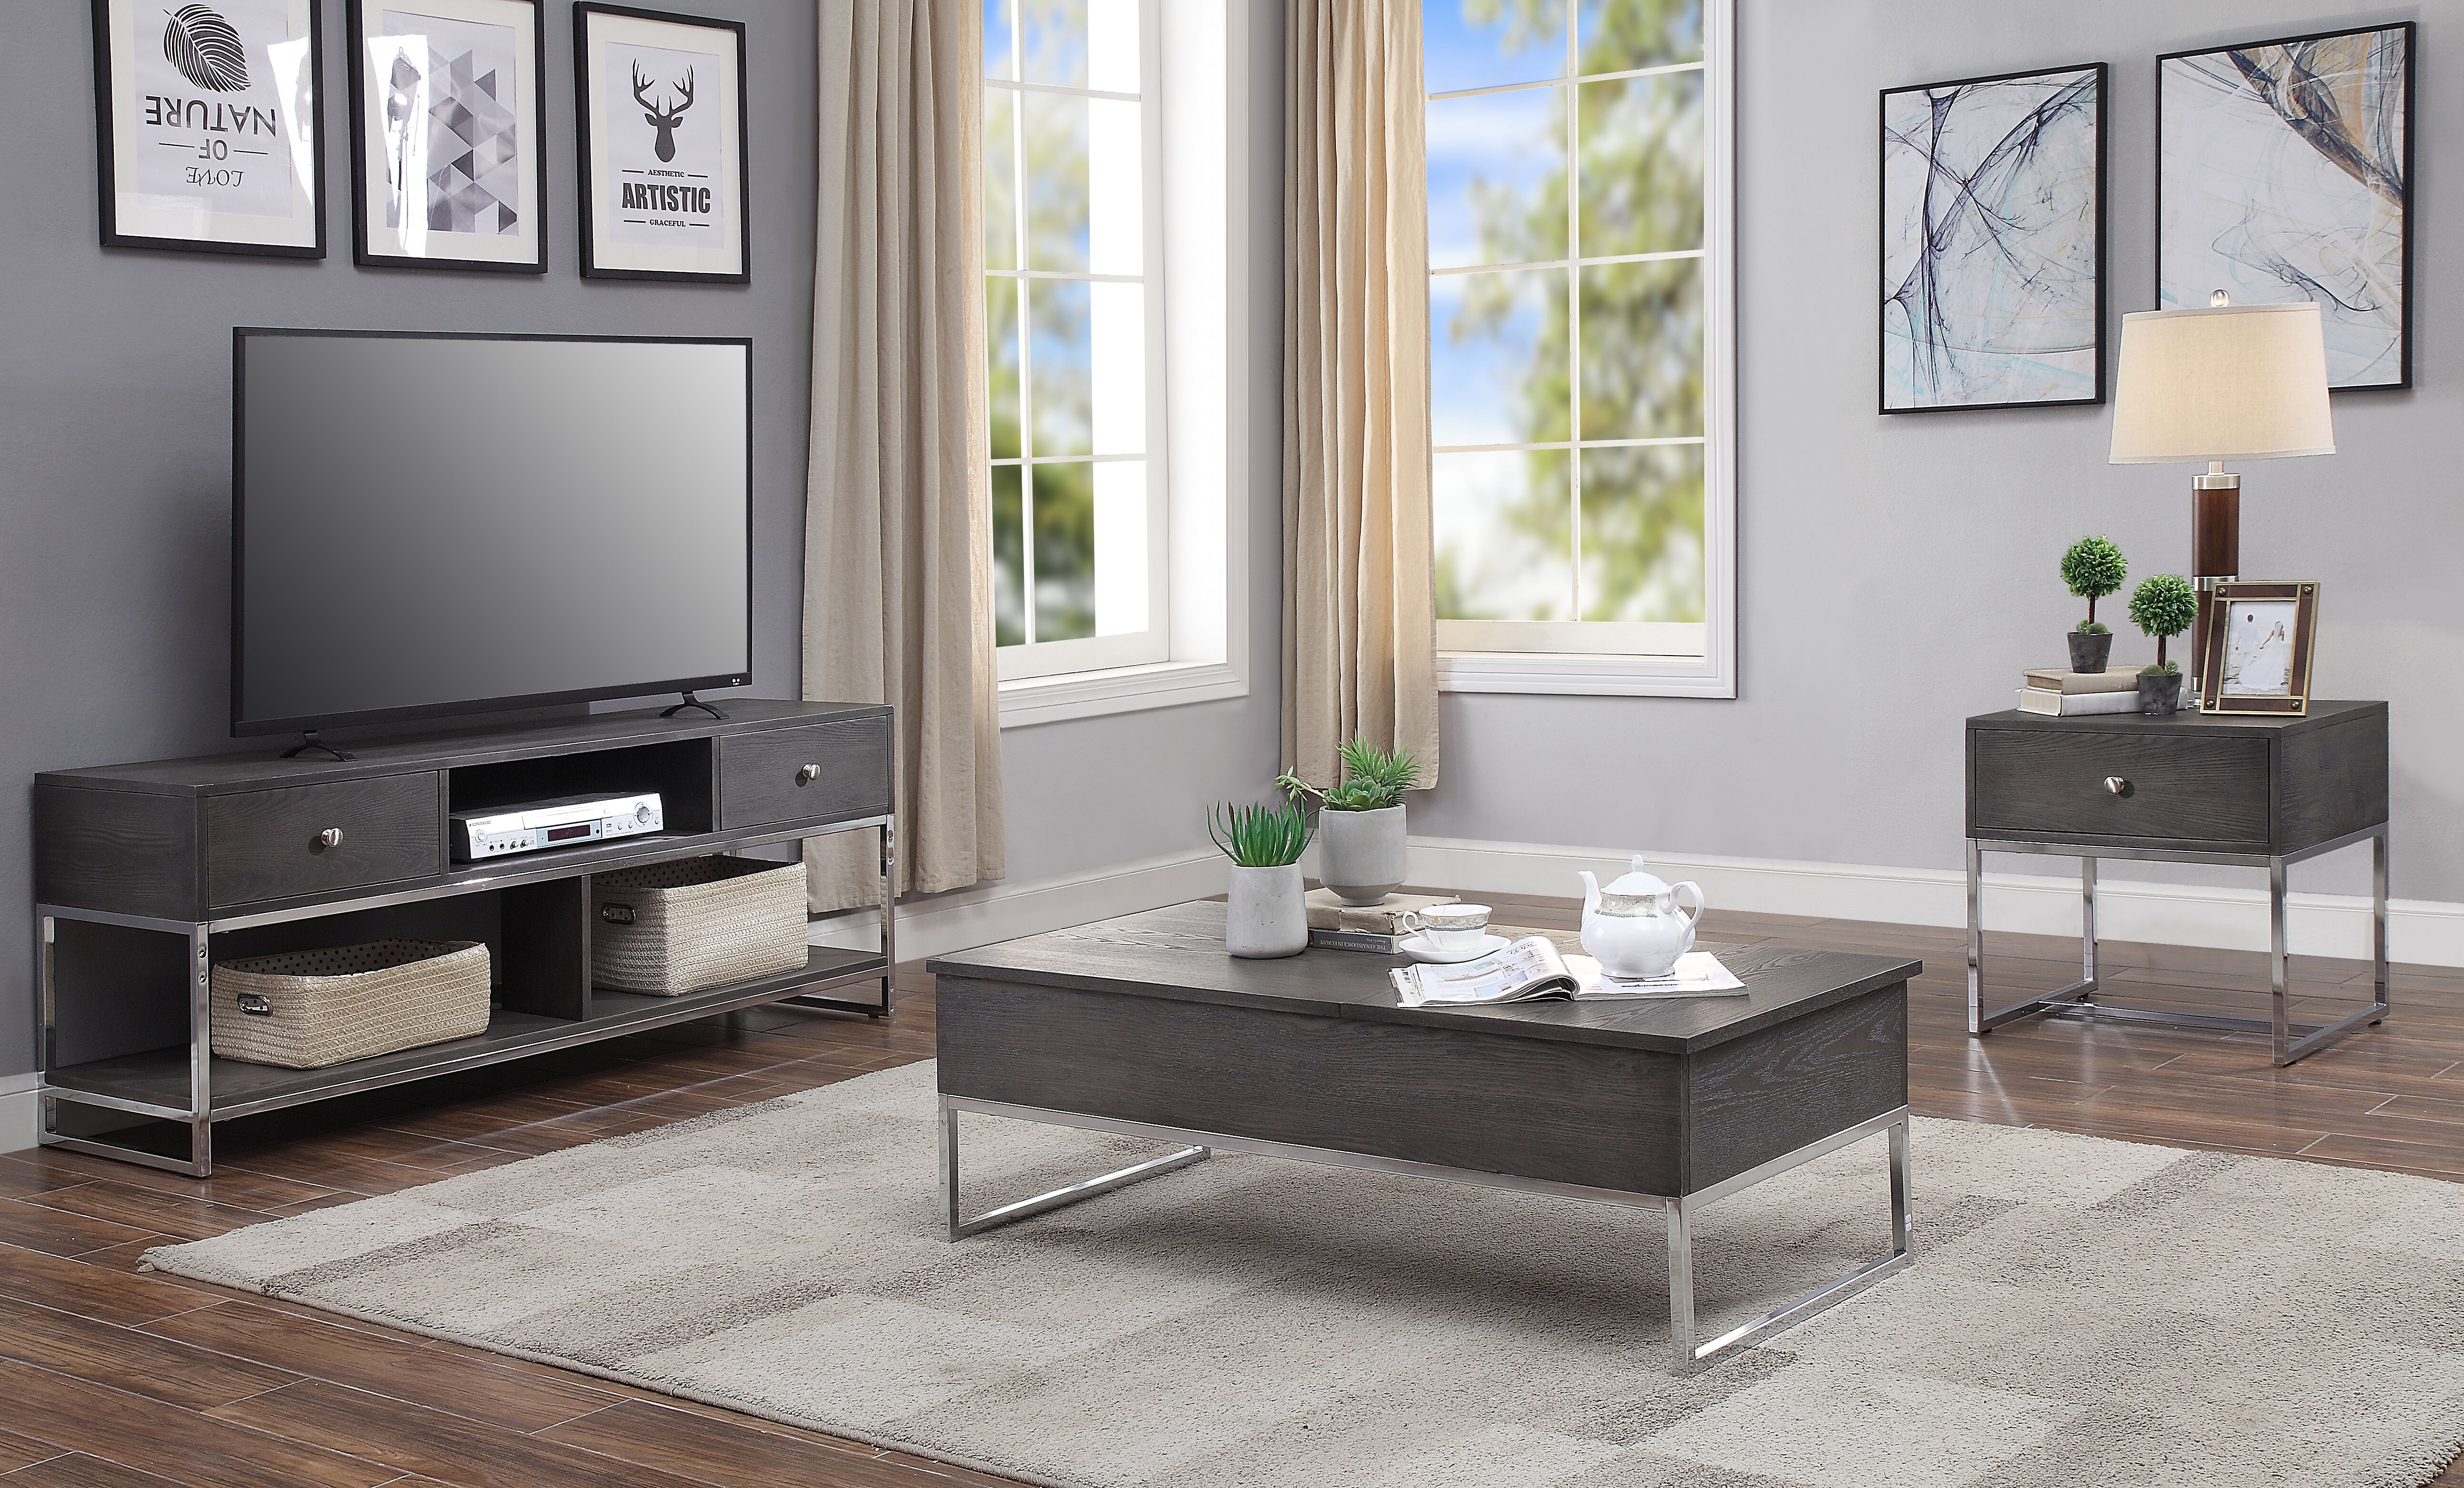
x: 1449, y: 926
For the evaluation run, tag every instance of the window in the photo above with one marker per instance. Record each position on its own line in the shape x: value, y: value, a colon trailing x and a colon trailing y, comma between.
x: 1580, y: 293
x: 1072, y: 240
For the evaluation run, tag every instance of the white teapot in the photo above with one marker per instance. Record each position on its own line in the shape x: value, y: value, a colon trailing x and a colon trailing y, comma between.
x: 1634, y: 927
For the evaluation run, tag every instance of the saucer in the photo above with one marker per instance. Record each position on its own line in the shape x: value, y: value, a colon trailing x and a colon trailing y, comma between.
x: 1418, y: 948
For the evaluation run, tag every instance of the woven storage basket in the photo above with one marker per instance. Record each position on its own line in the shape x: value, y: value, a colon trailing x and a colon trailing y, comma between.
x: 306, y: 1009
x: 672, y: 929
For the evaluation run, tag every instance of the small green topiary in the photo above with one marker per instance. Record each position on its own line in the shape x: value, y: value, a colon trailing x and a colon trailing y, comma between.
x: 2163, y: 605
x: 2093, y: 567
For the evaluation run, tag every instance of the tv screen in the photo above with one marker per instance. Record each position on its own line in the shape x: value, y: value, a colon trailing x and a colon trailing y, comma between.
x: 425, y: 525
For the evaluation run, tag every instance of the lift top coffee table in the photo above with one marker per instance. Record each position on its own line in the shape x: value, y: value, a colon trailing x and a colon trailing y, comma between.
x: 1143, y: 1027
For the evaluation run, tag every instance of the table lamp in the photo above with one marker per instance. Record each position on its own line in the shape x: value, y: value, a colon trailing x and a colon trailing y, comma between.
x: 2225, y: 383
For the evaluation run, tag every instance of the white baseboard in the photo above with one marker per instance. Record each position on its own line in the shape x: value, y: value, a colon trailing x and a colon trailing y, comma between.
x: 2425, y: 932
x: 20, y: 1113
x: 989, y: 912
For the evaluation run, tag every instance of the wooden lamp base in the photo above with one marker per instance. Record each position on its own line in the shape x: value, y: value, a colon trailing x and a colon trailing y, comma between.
x: 2216, y: 550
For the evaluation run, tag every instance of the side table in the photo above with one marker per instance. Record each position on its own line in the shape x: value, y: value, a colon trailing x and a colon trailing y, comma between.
x: 2195, y: 788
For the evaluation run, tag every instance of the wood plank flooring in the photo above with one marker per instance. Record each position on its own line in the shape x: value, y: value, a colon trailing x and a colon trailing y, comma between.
x: 112, y: 1378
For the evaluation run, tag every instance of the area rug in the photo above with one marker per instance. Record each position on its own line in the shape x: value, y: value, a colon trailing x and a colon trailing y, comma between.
x: 2081, y: 1311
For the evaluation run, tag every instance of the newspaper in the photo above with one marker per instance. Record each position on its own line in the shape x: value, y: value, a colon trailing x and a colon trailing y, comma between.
x: 1533, y: 968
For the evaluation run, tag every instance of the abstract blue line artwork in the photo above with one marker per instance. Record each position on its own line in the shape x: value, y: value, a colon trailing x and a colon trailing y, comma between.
x: 1993, y: 242
x: 2284, y: 173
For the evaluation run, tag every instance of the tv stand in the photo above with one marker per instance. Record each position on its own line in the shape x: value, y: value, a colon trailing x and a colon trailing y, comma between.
x: 690, y: 701
x: 309, y: 740
x: 145, y: 876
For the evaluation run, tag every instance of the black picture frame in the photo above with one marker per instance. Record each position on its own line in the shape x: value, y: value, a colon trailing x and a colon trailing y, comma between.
x: 1883, y: 405
x: 587, y: 169
x: 243, y: 726
x: 368, y: 255
x: 115, y: 233
x: 2405, y: 250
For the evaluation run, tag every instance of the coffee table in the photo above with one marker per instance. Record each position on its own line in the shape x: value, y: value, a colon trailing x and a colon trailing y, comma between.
x: 1143, y: 1027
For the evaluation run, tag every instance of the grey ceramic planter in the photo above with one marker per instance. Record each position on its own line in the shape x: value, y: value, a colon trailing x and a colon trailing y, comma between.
x: 2090, y: 650
x: 1265, y: 917
x: 1360, y: 854
x: 2160, y: 697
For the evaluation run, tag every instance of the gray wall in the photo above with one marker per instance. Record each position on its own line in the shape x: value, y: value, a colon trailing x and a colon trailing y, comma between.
x: 1896, y: 573
x: 115, y: 405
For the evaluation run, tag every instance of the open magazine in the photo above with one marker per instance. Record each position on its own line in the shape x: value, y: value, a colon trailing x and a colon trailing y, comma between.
x: 1533, y: 968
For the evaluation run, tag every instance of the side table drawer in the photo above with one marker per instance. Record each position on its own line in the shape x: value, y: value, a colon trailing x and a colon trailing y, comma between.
x: 2037, y: 783
x: 318, y: 839
x: 832, y: 772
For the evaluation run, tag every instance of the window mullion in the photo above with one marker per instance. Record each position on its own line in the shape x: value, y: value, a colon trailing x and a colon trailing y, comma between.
x: 1574, y: 311
x: 1025, y: 332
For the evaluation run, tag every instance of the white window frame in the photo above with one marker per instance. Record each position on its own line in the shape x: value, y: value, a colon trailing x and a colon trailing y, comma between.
x: 1669, y: 660
x: 1196, y: 78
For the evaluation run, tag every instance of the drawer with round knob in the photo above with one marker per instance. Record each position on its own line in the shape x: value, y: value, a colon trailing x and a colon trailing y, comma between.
x: 316, y: 839
x: 2082, y: 783
x: 830, y: 772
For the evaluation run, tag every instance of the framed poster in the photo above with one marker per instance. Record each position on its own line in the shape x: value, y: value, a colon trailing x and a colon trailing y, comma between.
x: 1992, y: 252
x: 2284, y: 172
x: 2260, y: 637
x: 206, y: 123
x: 447, y: 126
x: 660, y: 100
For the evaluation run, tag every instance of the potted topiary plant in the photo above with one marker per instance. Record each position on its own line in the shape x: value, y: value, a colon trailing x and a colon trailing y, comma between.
x: 2093, y: 567
x: 1265, y: 917
x: 1360, y: 821
x: 2163, y: 606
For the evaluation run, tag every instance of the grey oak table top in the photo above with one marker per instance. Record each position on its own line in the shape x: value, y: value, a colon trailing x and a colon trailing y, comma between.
x: 256, y: 764
x: 1176, y: 953
x: 2322, y: 714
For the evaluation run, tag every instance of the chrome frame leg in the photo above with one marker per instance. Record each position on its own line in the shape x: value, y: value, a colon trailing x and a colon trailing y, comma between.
x: 2079, y: 997
x: 2379, y: 926
x: 1043, y: 1203
x: 1689, y: 1356
x: 2279, y: 964
x: 201, y: 1053
x: 889, y: 909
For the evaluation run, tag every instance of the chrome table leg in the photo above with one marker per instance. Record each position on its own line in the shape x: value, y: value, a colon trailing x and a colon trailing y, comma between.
x: 1043, y: 1203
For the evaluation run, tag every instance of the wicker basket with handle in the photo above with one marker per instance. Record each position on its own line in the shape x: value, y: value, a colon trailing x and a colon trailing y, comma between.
x: 672, y: 929
x: 311, y: 1008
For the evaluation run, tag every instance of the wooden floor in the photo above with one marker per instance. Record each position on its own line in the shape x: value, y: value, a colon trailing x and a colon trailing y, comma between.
x: 110, y: 1378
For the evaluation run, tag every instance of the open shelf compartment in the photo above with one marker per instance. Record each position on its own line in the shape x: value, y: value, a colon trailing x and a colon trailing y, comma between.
x: 156, y: 1082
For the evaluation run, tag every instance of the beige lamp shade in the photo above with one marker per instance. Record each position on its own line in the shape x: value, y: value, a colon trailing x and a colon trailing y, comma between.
x: 2229, y: 383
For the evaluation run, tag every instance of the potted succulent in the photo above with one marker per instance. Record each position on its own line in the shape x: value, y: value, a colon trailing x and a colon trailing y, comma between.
x: 1265, y: 917
x: 1360, y: 821
x: 2163, y: 606
x: 2093, y: 567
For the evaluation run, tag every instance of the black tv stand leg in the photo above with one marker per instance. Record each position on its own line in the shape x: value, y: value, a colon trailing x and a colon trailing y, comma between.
x: 309, y: 741
x: 690, y: 701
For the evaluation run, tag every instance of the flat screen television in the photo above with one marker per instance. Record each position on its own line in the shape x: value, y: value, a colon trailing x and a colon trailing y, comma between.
x: 432, y: 524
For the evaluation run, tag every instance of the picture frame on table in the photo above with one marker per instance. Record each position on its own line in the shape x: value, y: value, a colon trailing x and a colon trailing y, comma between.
x: 448, y: 129
x: 2284, y: 172
x: 2261, y: 640
x: 1993, y: 242
x: 207, y: 125
x: 660, y: 127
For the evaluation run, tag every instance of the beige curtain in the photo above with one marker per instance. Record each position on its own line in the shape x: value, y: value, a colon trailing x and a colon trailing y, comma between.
x: 1359, y: 631
x: 898, y: 541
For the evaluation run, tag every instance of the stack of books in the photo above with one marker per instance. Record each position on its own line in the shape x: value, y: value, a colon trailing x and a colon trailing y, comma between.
x: 2069, y: 694
x: 1376, y: 928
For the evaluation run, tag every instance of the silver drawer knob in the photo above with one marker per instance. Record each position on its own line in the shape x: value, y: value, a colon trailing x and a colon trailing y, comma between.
x: 331, y: 836
x: 806, y: 774
x: 2118, y: 786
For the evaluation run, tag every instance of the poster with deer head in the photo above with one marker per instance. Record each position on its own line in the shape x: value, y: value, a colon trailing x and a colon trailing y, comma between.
x: 447, y: 124
x: 206, y: 119
x: 661, y: 99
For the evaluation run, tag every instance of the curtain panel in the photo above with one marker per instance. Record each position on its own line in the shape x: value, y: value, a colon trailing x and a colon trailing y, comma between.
x: 1359, y: 620
x: 898, y: 539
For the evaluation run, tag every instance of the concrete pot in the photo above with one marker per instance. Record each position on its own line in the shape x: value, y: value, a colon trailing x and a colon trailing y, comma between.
x: 2160, y: 697
x: 1360, y: 854
x: 1265, y: 917
x: 2090, y: 650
